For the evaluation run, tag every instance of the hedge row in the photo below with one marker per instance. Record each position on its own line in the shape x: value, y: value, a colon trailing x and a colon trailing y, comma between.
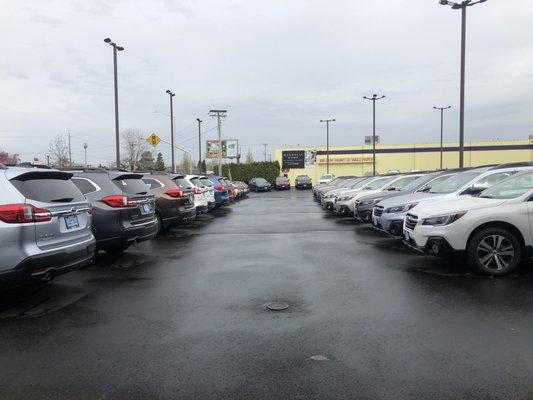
x: 245, y: 172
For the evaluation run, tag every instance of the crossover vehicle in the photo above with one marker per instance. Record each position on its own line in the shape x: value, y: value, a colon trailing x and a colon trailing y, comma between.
x: 282, y: 183
x: 123, y: 207
x: 365, y: 204
x: 200, y: 193
x: 302, y: 182
x: 326, y: 178
x: 494, y: 229
x: 327, y: 199
x: 210, y: 194
x: 259, y: 185
x: 320, y: 190
x: 45, y: 225
x: 230, y: 187
x: 172, y: 203
x: 469, y: 182
x: 221, y: 193
x: 390, y: 220
x: 345, y: 201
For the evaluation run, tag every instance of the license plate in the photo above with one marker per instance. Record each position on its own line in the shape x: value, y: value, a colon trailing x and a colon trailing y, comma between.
x: 147, y: 208
x: 406, y: 236
x: 71, y: 221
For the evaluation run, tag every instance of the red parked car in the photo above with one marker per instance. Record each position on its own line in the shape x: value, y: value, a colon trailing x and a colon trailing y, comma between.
x: 282, y: 183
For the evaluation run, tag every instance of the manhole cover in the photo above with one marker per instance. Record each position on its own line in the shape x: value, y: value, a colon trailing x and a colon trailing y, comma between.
x: 277, y: 306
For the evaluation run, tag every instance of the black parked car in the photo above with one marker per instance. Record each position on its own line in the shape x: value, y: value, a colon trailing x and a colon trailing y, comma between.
x: 302, y: 182
x: 123, y: 207
x: 259, y: 185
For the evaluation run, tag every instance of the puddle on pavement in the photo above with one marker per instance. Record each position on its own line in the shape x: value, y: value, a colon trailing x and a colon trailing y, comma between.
x: 36, y: 302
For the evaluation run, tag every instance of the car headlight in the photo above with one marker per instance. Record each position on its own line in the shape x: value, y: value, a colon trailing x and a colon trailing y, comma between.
x: 370, y: 202
x: 346, y: 198
x: 443, y: 220
x: 399, y: 209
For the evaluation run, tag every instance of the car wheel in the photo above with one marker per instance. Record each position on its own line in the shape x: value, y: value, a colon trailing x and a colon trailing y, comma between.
x: 494, y: 251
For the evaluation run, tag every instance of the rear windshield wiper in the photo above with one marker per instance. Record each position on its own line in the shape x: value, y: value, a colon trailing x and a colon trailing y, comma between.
x: 62, y: 200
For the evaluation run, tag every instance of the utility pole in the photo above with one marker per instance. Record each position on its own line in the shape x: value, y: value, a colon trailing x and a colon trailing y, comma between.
x: 85, y: 148
x: 374, y: 98
x: 441, y: 109
x: 462, y: 6
x: 327, y: 121
x: 219, y: 115
x: 48, y: 159
x: 117, y: 135
x: 199, y: 142
x: 171, y: 95
x: 69, y: 150
x: 265, y: 151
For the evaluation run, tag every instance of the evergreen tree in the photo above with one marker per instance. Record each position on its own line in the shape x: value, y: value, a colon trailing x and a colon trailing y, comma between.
x: 159, y: 164
x: 146, y: 162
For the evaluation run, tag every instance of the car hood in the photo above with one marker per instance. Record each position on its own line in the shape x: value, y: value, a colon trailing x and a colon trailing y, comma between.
x: 450, y: 206
x: 382, y: 194
x: 407, y: 198
x: 348, y: 192
x: 335, y: 191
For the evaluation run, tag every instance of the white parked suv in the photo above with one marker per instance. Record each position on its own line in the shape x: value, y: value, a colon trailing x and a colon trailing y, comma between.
x: 326, y: 178
x: 200, y: 193
x: 493, y: 229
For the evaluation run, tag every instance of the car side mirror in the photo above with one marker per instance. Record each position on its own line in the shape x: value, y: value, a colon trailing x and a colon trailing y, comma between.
x: 391, y: 189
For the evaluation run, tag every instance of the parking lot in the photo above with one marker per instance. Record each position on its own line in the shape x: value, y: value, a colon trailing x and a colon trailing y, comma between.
x: 185, y: 317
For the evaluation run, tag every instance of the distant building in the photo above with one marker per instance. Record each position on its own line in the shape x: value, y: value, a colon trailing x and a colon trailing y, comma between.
x: 357, y: 159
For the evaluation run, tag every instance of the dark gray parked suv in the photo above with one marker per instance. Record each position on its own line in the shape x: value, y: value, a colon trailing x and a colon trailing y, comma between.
x: 45, y: 225
x: 123, y: 207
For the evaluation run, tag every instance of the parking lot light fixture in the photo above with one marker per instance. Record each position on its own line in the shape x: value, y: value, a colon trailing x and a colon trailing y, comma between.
x: 374, y: 98
x: 441, y: 109
x: 327, y: 121
x: 117, y: 134
x: 463, y: 5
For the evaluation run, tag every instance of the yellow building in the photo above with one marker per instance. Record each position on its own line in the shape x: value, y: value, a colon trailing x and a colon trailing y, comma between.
x: 357, y: 160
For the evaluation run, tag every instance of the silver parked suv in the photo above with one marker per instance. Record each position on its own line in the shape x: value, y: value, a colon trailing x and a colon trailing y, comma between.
x: 45, y: 225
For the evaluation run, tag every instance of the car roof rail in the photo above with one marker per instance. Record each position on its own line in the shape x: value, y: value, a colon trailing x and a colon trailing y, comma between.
x: 511, y: 165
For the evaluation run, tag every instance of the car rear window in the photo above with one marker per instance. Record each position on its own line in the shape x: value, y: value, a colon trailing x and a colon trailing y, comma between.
x: 85, y: 185
x: 182, y: 183
x: 132, y: 186
x: 206, y: 181
x: 197, y: 182
x: 49, y: 190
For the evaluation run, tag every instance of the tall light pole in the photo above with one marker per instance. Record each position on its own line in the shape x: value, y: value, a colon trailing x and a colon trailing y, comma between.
x: 462, y: 6
x: 117, y: 135
x: 85, y: 148
x: 327, y: 121
x: 374, y: 98
x: 219, y: 115
x: 441, y: 109
x: 199, y: 143
x: 171, y: 95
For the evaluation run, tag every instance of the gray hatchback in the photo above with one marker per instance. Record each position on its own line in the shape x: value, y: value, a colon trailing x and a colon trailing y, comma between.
x: 45, y: 225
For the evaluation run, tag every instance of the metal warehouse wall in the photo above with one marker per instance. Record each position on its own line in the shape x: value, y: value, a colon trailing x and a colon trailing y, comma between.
x: 357, y: 160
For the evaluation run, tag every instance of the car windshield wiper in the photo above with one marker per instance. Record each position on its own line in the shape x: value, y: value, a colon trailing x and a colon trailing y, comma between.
x: 62, y: 200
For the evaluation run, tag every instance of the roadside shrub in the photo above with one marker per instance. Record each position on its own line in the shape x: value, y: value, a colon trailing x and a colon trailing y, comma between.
x: 245, y: 172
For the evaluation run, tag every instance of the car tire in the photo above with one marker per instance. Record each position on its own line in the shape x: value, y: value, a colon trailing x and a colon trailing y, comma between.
x: 159, y: 224
x: 494, y: 251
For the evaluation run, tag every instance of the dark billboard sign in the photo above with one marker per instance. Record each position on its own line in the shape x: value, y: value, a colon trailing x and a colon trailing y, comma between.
x: 293, y: 159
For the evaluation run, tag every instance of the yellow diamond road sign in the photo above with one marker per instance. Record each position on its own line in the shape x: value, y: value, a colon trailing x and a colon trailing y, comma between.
x: 153, y: 139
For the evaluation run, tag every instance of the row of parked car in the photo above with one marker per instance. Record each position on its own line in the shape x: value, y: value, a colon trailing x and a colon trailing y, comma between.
x: 484, y: 213
x: 54, y: 221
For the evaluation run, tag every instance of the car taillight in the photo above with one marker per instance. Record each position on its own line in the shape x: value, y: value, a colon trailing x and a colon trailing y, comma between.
x: 219, y: 187
x: 177, y: 192
x: 119, y: 201
x: 23, y: 213
x: 197, y: 191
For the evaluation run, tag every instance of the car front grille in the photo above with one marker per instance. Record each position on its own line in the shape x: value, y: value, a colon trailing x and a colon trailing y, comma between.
x: 411, y: 221
x: 378, y: 211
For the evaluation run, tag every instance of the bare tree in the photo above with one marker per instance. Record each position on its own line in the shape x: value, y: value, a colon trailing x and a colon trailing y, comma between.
x: 249, y: 157
x: 134, y: 144
x: 186, y: 163
x: 58, y: 150
x: 9, y: 158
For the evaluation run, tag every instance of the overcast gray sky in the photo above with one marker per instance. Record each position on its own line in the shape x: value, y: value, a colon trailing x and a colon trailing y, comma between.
x: 276, y: 66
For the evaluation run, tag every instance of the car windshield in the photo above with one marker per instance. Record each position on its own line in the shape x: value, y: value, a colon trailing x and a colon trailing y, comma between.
x: 510, y: 188
x: 281, y: 179
x: 303, y: 178
x: 427, y: 185
x: 132, y: 185
x: 261, y: 181
x: 206, y: 181
x: 399, y: 184
x: 182, y: 183
x: 418, y: 182
x: 454, y: 183
x: 379, y: 183
x: 196, y: 182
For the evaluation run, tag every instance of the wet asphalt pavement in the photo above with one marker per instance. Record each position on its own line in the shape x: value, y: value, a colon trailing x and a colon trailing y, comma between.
x: 184, y: 317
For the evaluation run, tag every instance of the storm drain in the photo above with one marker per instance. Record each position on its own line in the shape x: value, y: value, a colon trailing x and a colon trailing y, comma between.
x: 277, y: 306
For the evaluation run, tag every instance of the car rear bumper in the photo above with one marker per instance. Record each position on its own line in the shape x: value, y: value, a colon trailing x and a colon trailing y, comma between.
x: 50, y: 264
x: 303, y: 186
x: 140, y: 233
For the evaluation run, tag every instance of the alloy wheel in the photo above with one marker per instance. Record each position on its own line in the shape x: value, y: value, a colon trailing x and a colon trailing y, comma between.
x: 495, y: 252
